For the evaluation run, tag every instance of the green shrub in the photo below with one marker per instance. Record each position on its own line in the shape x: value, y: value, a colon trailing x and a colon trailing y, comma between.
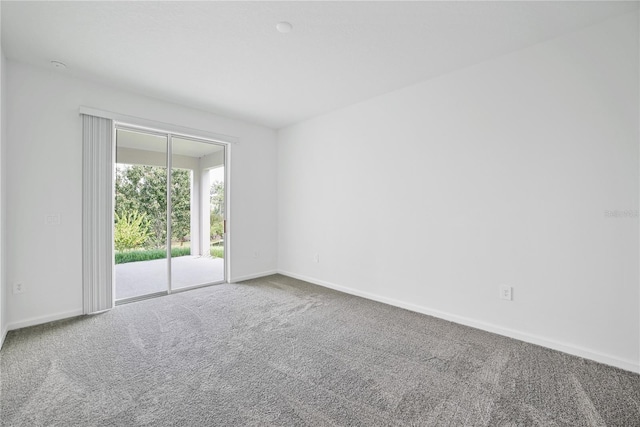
x: 122, y: 257
x: 150, y: 254
x: 131, y: 230
x: 217, y: 251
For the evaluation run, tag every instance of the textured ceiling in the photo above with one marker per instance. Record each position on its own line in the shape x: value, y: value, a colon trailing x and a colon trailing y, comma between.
x: 227, y: 57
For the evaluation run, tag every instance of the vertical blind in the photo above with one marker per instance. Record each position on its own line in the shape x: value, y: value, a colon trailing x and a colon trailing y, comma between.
x: 97, y: 213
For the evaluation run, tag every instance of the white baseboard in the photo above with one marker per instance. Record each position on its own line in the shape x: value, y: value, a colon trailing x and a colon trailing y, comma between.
x: 43, y: 319
x: 606, y: 359
x: 253, y: 276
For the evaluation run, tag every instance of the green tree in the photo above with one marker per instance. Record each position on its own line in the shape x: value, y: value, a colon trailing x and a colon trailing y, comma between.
x: 216, y: 215
x: 144, y: 189
x: 216, y: 197
x: 181, y: 204
x: 217, y: 227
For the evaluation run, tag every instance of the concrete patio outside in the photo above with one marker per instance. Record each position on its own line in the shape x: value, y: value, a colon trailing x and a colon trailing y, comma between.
x: 145, y: 277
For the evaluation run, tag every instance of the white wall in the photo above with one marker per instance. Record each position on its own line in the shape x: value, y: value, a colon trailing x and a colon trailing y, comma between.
x: 432, y: 196
x: 45, y: 176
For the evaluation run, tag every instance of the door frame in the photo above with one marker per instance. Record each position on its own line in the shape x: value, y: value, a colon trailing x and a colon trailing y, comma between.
x: 131, y: 125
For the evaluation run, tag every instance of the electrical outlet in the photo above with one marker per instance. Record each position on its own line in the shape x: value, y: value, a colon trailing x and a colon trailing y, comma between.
x: 18, y: 288
x: 316, y: 258
x: 506, y: 293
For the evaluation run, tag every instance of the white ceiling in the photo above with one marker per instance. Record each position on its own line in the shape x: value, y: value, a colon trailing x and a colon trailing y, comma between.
x: 227, y: 57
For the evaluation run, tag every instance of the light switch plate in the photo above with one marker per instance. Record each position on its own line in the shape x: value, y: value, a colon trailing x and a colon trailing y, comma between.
x: 52, y: 219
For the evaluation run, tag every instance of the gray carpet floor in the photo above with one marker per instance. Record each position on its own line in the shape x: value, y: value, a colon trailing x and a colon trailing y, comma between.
x: 278, y: 351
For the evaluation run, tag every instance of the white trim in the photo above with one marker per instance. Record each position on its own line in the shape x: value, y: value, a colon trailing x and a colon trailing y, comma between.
x: 169, y: 208
x: 154, y: 125
x: 3, y: 336
x: 625, y: 364
x: 44, y: 319
x: 253, y: 276
x: 227, y: 235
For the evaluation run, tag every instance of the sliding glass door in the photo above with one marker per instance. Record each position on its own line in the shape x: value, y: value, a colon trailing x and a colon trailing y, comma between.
x: 169, y: 227
x: 196, y: 228
x: 140, y: 213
